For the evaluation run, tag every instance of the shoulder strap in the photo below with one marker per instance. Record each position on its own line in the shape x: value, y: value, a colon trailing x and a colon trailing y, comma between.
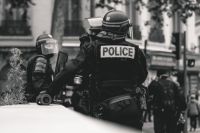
x: 96, y: 57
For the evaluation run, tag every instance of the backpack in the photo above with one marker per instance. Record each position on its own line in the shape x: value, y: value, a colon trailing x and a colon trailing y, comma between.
x: 167, y: 95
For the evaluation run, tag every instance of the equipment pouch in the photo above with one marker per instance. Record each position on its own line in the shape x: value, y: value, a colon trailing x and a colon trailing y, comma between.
x: 114, y: 105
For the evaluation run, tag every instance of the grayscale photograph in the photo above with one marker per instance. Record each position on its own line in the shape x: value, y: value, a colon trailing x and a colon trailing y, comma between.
x: 100, y: 66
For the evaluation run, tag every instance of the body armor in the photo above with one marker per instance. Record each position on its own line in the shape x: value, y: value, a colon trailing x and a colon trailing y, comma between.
x: 39, y: 76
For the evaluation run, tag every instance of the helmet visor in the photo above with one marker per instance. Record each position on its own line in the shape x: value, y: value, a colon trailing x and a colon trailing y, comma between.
x: 49, y: 47
x: 95, y: 22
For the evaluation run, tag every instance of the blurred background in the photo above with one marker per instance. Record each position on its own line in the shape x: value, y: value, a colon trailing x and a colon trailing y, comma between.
x: 160, y: 28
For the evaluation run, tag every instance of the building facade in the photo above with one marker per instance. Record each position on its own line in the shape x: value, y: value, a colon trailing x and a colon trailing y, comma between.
x: 19, y: 28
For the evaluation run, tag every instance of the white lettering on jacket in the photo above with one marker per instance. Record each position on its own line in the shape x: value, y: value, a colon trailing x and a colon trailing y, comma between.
x: 117, y: 51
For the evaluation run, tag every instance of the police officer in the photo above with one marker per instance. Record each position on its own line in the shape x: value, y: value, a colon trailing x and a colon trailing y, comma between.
x: 168, y: 103
x: 116, y: 67
x: 79, y: 98
x: 39, y: 68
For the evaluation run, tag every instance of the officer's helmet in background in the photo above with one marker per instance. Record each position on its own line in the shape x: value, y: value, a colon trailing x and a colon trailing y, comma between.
x: 46, y: 44
x: 95, y: 25
x: 116, y: 22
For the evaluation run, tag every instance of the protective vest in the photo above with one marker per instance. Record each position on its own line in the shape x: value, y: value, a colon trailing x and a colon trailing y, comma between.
x: 114, y: 69
x: 38, y: 64
x: 116, y: 61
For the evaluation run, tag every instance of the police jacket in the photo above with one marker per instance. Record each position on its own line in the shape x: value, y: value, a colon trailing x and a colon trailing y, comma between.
x: 110, y: 59
x: 39, y: 74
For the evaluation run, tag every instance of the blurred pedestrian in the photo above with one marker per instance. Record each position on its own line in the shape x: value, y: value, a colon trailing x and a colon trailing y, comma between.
x: 167, y: 103
x: 148, y: 111
x: 193, y: 112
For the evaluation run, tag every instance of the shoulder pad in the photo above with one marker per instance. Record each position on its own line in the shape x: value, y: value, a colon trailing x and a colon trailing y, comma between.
x: 40, y: 65
x: 84, y: 37
x: 41, y: 59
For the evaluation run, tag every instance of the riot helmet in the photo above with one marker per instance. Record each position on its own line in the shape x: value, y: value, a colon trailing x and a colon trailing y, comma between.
x: 116, y: 22
x: 46, y: 44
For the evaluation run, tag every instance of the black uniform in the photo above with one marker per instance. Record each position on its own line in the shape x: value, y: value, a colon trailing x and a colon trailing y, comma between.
x: 39, y: 76
x: 116, y: 66
x: 168, y: 103
x: 132, y: 67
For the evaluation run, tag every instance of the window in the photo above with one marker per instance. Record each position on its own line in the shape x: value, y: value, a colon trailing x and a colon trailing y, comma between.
x: 156, y: 35
x: 73, y: 21
x: 13, y: 21
x: 156, y: 30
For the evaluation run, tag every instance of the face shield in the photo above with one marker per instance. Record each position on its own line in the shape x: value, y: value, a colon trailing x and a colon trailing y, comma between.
x: 49, y: 47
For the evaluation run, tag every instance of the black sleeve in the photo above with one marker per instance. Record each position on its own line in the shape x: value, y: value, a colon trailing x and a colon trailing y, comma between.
x: 152, y: 87
x: 71, y: 67
x: 142, y: 67
x: 84, y: 38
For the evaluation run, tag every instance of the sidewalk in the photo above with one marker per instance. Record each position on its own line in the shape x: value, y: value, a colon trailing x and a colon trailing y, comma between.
x: 197, y: 131
x: 188, y: 127
x: 148, y: 128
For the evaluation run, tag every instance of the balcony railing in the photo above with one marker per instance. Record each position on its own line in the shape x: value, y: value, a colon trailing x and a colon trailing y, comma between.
x: 137, y: 32
x: 73, y: 28
x: 156, y: 35
x: 14, y: 28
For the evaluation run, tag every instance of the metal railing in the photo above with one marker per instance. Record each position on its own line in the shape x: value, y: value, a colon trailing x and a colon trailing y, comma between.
x: 73, y: 28
x: 156, y: 35
x: 14, y: 27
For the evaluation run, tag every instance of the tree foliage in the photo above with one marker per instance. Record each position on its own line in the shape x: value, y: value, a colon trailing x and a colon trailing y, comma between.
x: 23, y: 4
x: 185, y: 8
x: 106, y: 3
x: 14, y: 91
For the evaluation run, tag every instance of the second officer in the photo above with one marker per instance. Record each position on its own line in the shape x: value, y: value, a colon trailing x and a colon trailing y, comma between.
x: 116, y: 67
